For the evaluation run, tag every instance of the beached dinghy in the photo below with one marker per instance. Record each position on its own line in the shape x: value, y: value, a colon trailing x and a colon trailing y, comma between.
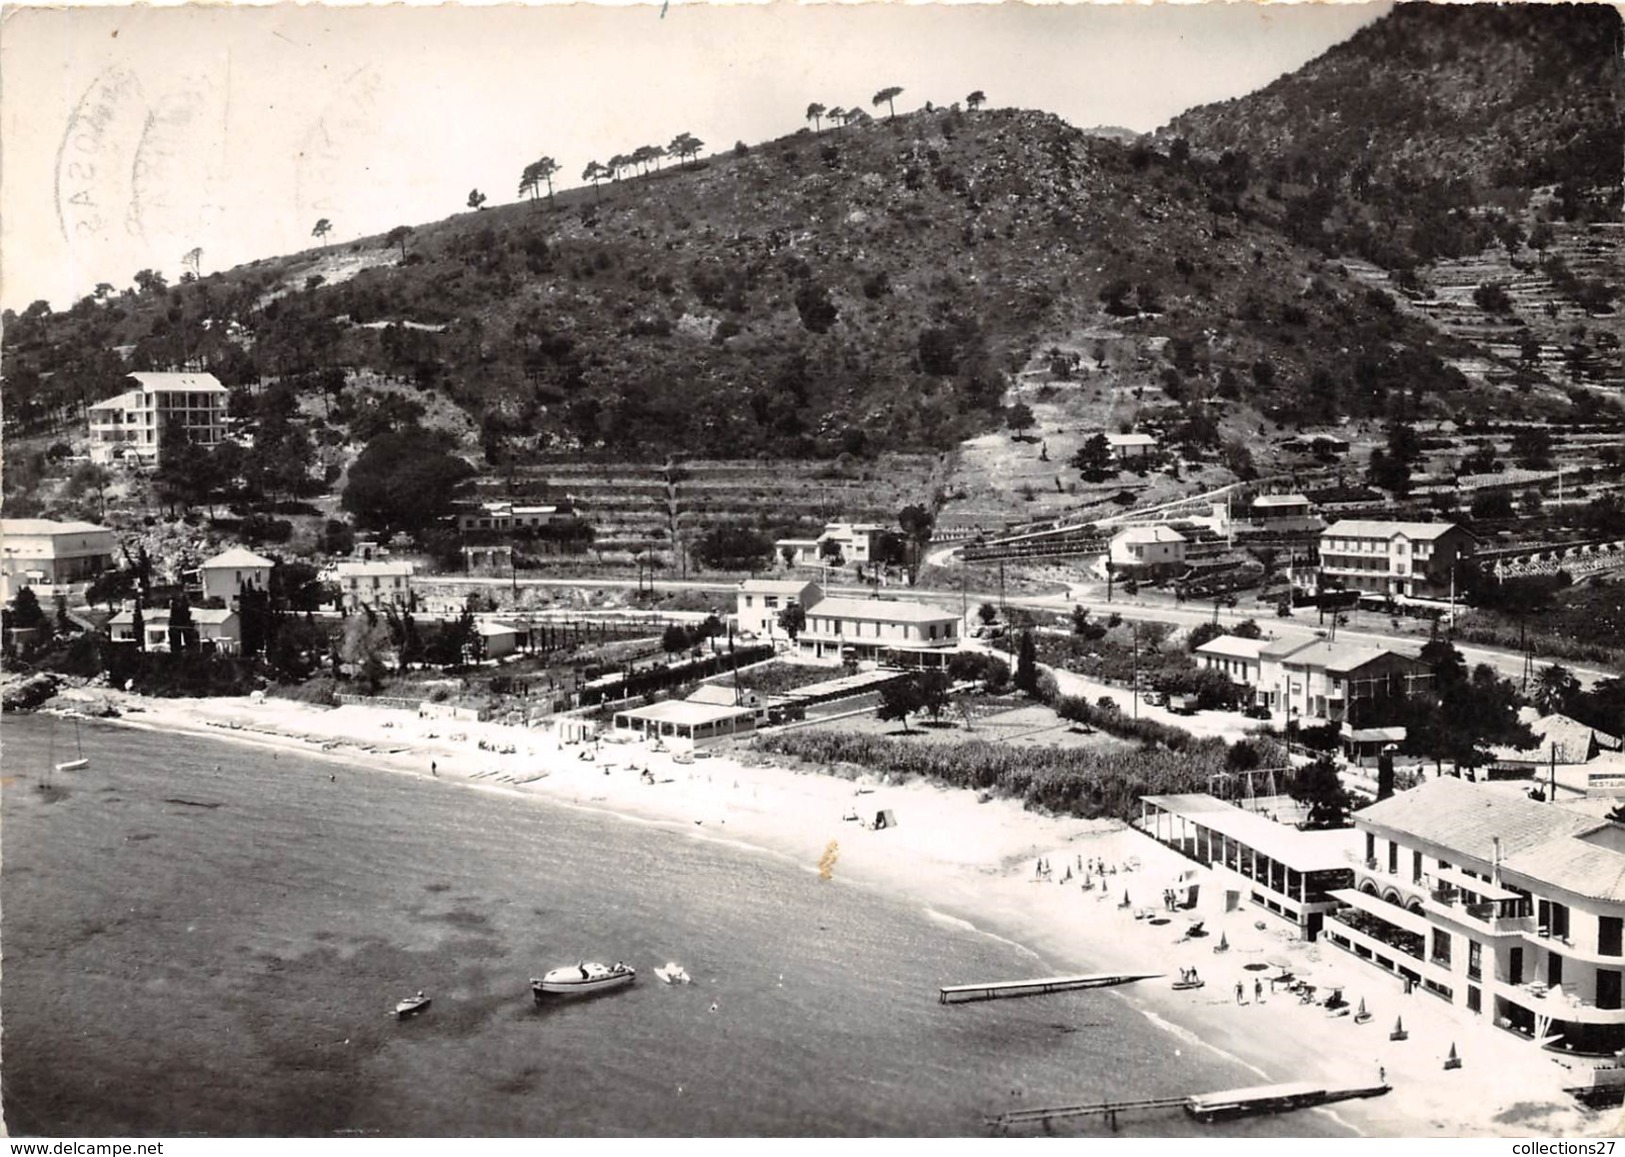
x: 673, y: 973
x: 581, y: 979
x: 411, y: 1006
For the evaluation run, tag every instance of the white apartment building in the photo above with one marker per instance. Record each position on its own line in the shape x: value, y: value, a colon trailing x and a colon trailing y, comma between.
x: 1399, y: 558
x: 1512, y: 909
x: 136, y: 422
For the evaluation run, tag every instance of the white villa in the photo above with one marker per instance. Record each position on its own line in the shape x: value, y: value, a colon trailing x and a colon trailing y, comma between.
x: 47, y: 555
x: 226, y: 574
x: 866, y: 628
x: 374, y: 584
x: 761, y: 601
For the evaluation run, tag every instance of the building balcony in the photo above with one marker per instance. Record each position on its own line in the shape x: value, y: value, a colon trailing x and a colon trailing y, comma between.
x: 1566, y: 1002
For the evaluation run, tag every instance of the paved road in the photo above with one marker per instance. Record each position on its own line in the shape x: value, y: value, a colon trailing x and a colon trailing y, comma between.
x: 1304, y: 626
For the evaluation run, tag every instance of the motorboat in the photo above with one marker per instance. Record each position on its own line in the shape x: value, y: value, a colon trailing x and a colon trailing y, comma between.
x: 1188, y: 983
x: 582, y: 978
x: 411, y: 1006
x: 674, y: 973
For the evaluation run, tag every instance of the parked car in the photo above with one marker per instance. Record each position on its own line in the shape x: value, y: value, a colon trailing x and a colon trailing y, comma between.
x: 1257, y: 711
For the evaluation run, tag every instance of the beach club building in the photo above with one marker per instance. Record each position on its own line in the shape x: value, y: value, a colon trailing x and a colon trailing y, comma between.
x: 1507, y: 907
x: 761, y: 601
x: 225, y: 575
x: 48, y: 555
x: 1290, y: 873
x: 841, y: 629
x: 697, y: 722
x: 135, y: 423
x: 1392, y: 558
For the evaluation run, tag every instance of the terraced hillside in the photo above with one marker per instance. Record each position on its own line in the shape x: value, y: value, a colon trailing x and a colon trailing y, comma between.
x: 636, y: 507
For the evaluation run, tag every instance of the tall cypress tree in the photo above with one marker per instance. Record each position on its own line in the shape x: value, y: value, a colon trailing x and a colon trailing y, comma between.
x: 1026, y: 679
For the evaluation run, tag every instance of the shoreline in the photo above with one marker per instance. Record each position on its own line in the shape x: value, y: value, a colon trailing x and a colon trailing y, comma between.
x: 974, y: 864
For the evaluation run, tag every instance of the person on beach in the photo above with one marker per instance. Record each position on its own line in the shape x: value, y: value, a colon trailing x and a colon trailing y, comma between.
x: 434, y: 768
x: 1240, y: 992
x: 1258, y: 990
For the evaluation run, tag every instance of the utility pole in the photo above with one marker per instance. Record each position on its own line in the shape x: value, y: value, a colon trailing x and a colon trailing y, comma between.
x: 1002, y: 614
x: 1134, y: 692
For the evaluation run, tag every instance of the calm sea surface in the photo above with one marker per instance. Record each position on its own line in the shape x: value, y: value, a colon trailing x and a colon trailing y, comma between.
x: 201, y: 938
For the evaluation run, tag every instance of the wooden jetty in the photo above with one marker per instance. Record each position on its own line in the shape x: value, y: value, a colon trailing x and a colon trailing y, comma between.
x: 1000, y: 989
x: 1206, y: 1107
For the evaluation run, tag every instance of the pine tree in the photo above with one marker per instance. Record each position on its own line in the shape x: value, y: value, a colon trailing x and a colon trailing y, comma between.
x: 1026, y: 679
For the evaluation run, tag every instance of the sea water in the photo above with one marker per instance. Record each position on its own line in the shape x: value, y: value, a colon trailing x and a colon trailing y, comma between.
x: 203, y: 937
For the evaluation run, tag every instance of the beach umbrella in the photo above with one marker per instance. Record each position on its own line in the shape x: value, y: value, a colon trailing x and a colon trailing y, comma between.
x: 1399, y: 1032
x: 1452, y: 1061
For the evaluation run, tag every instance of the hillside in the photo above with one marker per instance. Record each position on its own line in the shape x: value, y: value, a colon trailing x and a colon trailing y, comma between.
x: 1398, y: 142
x: 868, y: 288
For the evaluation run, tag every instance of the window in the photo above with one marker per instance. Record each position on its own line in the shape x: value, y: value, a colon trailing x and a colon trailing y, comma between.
x: 1393, y: 858
x: 1475, y: 960
x: 1515, y: 966
x: 1416, y: 866
x: 1370, y: 847
x: 1608, y: 935
x: 1608, y: 988
x: 1554, y: 970
x: 1560, y: 920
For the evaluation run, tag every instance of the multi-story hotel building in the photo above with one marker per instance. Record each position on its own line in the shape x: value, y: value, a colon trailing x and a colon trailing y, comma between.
x: 1509, y: 908
x: 1392, y: 558
x: 137, y: 421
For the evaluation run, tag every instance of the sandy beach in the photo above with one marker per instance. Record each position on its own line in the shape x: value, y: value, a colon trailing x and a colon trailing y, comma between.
x: 976, y: 862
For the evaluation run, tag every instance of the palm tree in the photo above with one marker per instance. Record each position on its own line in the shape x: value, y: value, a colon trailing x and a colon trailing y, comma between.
x: 1554, y: 687
x: 888, y: 95
x: 975, y: 100
x: 323, y: 228
x: 815, y: 113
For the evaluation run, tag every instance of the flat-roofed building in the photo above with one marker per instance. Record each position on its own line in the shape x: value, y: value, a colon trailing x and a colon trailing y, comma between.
x: 1288, y: 872
x: 162, y: 405
x: 508, y: 517
x: 1509, y: 908
x: 685, y: 719
x: 1282, y: 514
x: 51, y: 556
x: 869, y: 628
x: 760, y: 602
x: 1415, y: 559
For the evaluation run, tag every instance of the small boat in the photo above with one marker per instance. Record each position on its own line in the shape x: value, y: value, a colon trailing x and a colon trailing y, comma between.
x: 674, y: 973
x: 411, y: 1006
x: 580, y: 979
x: 81, y: 762
x: 1182, y: 985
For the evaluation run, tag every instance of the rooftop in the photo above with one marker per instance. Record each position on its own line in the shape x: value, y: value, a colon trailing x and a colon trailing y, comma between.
x: 180, y: 383
x: 20, y: 527
x: 685, y: 713
x: 1465, y: 818
x: 1589, y: 864
x: 1306, y: 851
x: 1149, y: 534
x: 1131, y: 440
x: 775, y: 586
x: 156, y: 616
x: 1375, y: 528
x: 1232, y: 647
x: 1268, y: 500
x: 358, y: 569
x: 235, y: 557
x: 882, y: 610
x: 1343, y: 657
